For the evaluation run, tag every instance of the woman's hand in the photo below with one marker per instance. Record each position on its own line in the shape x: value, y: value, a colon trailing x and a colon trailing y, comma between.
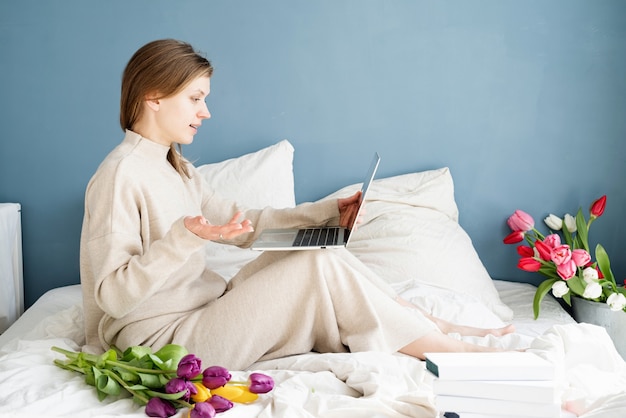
x: 200, y: 226
x: 348, y: 208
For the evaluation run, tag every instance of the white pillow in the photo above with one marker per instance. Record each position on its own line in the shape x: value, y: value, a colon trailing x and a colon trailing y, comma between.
x: 411, y: 232
x: 255, y: 180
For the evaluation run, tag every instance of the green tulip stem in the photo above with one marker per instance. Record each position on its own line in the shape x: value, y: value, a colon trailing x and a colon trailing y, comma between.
x: 121, y: 381
x: 138, y: 369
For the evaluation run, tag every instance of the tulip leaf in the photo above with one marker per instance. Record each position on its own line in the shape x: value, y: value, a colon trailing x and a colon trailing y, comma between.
x: 105, y: 384
x: 150, y: 380
x: 136, y: 387
x: 164, y: 365
x: 136, y: 352
x: 581, y: 230
x: 577, y: 285
x: 605, y: 264
x: 568, y: 298
x: 127, y: 375
x: 90, y: 378
x: 567, y: 235
x: 109, y: 355
x: 548, y: 270
x: 542, y: 291
x: 167, y: 396
x: 172, y: 352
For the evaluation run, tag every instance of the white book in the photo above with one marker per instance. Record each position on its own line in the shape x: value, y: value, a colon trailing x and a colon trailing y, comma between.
x: 536, y: 391
x: 505, y: 365
x: 564, y: 414
x: 513, y: 409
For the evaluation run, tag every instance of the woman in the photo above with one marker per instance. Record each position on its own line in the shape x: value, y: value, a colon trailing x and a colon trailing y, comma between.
x: 148, y: 215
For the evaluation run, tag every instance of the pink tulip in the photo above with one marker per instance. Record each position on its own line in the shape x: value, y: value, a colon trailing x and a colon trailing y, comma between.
x: 514, y: 237
x: 567, y: 270
x: 581, y: 257
x: 597, y: 207
x: 561, y: 254
x: 528, y: 264
x: 552, y: 240
x: 520, y: 221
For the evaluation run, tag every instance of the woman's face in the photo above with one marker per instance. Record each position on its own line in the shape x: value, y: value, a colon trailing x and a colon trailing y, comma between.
x: 178, y: 117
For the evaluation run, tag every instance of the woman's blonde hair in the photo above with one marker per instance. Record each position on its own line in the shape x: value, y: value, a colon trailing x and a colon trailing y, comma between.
x: 163, y: 67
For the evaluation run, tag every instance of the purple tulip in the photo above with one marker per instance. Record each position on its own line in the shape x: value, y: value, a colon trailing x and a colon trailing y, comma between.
x: 215, y: 376
x: 158, y: 407
x: 202, y: 410
x: 189, y: 367
x: 178, y: 384
x: 220, y: 404
x: 260, y: 383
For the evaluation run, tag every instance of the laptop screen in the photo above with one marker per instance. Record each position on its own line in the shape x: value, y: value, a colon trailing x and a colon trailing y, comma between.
x: 366, y: 185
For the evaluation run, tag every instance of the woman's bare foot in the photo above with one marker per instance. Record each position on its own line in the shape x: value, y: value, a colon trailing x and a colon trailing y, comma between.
x: 464, y: 330
x: 436, y: 342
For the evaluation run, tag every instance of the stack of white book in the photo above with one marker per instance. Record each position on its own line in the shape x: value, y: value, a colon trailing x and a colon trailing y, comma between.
x: 502, y: 384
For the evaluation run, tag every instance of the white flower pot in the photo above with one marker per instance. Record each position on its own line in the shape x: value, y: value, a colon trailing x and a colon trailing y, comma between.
x: 600, y: 314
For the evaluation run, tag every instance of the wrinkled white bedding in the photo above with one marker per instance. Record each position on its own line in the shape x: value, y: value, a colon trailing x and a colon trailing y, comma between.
x: 410, y: 230
x: 369, y: 384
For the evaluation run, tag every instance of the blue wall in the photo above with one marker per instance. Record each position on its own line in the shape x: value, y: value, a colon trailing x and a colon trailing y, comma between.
x: 525, y: 101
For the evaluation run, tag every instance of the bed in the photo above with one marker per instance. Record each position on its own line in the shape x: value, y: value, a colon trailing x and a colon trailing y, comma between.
x: 411, y: 237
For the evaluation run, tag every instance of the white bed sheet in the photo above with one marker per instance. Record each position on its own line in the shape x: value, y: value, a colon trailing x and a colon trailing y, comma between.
x: 368, y: 384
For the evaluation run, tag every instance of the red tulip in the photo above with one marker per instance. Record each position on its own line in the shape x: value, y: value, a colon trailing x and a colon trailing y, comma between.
x: 525, y: 251
x: 528, y: 264
x: 597, y: 208
x: 514, y: 237
x: 544, y: 250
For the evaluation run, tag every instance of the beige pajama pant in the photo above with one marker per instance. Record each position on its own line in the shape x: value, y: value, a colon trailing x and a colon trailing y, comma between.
x: 286, y: 303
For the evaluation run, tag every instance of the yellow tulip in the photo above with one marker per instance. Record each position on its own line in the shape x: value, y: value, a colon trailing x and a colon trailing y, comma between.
x: 203, y: 393
x: 239, y: 394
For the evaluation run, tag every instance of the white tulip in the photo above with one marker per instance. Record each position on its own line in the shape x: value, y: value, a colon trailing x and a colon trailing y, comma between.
x: 559, y: 289
x: 590, y: 275
x: 570, y: 222
x: 554, y: 222
x: 616, y: 301
x: 592, y: 291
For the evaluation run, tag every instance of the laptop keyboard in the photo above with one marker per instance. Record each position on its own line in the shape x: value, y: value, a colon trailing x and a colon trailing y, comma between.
x: 313, y: 237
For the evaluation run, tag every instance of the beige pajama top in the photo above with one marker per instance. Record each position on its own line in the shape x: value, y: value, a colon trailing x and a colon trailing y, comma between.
x: 145, y: 280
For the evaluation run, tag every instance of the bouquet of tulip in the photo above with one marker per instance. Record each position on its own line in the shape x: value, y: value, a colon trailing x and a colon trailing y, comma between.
x: 164, y: 381
x: 565, y: 258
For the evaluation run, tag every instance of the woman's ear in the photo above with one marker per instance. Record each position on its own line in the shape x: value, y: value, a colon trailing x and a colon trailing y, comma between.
x: 153, y: 102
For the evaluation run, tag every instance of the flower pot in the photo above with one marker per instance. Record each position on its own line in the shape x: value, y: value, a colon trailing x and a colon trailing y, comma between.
x: 600, y: 314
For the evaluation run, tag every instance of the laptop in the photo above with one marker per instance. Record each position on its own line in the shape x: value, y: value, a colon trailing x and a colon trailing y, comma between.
x: 315, y: 237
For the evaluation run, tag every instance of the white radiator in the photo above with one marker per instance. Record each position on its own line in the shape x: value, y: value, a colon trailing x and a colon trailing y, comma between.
x: 11, y: 272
